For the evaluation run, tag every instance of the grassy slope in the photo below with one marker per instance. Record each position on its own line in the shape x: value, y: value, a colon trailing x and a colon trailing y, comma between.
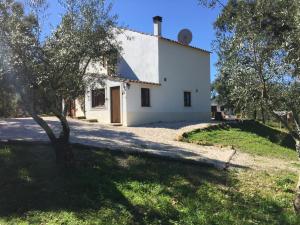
x: 251, y: 137
x: 123, y: 189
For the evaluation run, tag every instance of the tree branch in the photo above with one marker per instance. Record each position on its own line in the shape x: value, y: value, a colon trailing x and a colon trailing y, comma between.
x: 66, y: 106
x: 45, y: 126
x: 65, y: 134
x: 220, y: 3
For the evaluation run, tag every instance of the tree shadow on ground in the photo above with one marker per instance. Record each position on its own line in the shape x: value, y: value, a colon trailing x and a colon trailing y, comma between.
x: 144, y: 190
x: 102, y: 136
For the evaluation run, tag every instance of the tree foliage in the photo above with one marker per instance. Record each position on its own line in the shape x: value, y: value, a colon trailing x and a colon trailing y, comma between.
x: 211, y: 3
x: 8, y: 99
x: 46, y: 71
x: 258, y: 44
x: 258, y: 48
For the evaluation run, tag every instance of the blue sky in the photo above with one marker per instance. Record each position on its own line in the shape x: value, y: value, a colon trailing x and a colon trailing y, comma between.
x: 177, y: 14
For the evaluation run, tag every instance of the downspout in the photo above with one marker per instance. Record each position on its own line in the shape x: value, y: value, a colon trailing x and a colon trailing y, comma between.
x: 124, y: 90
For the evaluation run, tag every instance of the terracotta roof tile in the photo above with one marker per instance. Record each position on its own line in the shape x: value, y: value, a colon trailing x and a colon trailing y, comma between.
x: 143, y: 82
x: 125, y: 80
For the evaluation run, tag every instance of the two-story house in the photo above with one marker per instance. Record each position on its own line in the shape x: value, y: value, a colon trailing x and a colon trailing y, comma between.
x: 159, y: 80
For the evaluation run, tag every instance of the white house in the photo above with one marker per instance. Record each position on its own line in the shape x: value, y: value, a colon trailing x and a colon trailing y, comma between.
x: 158, y: 80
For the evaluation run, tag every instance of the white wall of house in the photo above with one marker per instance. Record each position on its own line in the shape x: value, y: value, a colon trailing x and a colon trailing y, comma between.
x: 152, y: 59
x: 139, y: 60
x: 103, y: 113
x: 136, y: 114
x: 185, y: 69
x: 180, y: 69
x: 79, y: 108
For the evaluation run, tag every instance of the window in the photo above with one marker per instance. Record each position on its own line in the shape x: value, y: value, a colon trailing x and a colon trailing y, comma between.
x: 187, y: 99
x: 98, y: 98
x: 145, y: 97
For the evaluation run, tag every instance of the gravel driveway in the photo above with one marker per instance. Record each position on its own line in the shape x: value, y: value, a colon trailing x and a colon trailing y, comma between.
x: 158, y: 139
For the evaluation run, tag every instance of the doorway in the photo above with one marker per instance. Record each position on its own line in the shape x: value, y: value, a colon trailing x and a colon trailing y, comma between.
x: 115, y: 105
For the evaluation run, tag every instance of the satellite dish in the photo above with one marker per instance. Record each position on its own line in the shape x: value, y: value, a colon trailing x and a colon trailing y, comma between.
x: 185, y: 37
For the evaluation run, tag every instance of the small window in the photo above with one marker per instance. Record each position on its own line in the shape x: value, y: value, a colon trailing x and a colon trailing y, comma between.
x: 187, y: 99
x: 98, y: 98
x: 145, y: 97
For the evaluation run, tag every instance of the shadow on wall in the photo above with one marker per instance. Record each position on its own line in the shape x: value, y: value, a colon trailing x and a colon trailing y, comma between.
x: 125, y: 70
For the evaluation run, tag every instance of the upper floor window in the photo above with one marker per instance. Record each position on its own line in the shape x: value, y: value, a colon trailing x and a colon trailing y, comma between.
x: 98, y: 97
x: 187, y: 99
x: 145, y: 97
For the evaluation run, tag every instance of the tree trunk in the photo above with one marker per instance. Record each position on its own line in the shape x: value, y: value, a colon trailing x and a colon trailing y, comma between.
x: 255, y: 114
x: 63, y: 149
x: 62, y: 146
x: 297, y: 197
x: 298, y: 148
x: 263, y: 113
x: 63, y: 152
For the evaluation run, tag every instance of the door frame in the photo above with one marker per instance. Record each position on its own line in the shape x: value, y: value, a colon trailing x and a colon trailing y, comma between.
x: 111, y: 104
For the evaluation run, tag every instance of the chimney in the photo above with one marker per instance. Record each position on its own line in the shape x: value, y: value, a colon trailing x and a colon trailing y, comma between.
x: 157, y: 20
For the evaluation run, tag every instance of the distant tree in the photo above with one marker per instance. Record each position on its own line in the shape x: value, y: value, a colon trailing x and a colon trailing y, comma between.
x: 258, y: 44
x: 46, y: 71
x: 254, y: 46
x: 220, y: 92
x: 8, y: 99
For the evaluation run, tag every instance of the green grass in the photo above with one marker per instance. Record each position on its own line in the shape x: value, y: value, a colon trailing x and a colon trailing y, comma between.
x: 276, y: 125
x: 118, y: 189
x: 250, y: 136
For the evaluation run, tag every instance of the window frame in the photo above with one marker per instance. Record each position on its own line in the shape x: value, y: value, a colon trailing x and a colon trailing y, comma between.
x: 145, y: 102
x: 93, y: 101
x: 187, y: 100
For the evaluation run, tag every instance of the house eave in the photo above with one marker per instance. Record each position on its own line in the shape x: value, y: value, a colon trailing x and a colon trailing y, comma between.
x: 187, y: 46
x: 125, y: 80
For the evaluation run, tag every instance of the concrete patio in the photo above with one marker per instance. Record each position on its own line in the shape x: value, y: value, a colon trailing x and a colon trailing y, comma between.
x: 157, y: 139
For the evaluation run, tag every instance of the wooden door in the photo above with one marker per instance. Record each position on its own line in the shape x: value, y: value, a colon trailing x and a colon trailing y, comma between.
x: 72, y: 109
x: 115, y: 105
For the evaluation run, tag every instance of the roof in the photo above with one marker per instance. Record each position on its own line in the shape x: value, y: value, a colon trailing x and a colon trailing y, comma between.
x: 167, y: 39
x: 189, y: 46
x: 125, y: 80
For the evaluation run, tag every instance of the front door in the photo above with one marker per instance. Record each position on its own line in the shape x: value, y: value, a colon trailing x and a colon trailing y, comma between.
x: 72, y: 109
x: 115, y: 105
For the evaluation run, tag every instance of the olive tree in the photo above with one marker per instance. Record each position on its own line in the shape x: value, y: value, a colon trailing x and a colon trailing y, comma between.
x: 46, y: 71
x: 258, y: 44
x: 259, y: 55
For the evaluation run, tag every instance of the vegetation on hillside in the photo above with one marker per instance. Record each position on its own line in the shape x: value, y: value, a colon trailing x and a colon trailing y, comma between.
x: 248, y: 136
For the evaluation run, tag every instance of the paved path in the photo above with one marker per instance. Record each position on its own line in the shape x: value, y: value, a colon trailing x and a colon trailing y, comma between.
x: 156, y: 139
